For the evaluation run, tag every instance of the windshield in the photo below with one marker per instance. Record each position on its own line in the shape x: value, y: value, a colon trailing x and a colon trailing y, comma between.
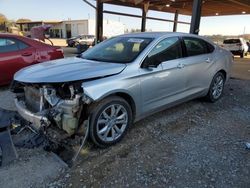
x: 117, y: 50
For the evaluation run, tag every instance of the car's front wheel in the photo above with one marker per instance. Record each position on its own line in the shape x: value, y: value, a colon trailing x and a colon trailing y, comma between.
x: 109, y: 121
x: 216, y: 87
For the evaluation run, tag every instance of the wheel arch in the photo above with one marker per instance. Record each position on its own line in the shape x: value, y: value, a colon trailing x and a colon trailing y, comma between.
x: 129, y: 100
x: 223, y: 72
x: 127, y: 97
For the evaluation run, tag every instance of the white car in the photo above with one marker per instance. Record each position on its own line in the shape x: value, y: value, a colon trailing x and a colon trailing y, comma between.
x: 237, y: 46
x: 86, y: 39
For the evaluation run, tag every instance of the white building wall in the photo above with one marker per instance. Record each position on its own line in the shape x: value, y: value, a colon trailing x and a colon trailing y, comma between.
x: 110, y: 28
x: 78, y: 27
x: 91, y: 27
x: 88, y: 27
x: 56, y: 26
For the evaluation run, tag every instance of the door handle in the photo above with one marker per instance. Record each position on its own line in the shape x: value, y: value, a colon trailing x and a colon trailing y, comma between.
x: 27, y: 54
x: 208, y: 60
x: 180, y: 66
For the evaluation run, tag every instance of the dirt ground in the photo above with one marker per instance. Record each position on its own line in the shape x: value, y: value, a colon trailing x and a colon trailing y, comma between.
x: 196, y: 144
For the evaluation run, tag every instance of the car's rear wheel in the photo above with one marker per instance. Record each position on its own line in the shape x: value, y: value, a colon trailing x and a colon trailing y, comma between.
x: 216, y: 87
x: 242, y: 55
x: 109, y: 121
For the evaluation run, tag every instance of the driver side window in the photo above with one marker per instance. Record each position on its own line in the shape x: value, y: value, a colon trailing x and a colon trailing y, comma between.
x: 166, y: 50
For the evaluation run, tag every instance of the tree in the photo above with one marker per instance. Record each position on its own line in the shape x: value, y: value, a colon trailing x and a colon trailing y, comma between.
x: 3, y: 19
x: 23, y: 20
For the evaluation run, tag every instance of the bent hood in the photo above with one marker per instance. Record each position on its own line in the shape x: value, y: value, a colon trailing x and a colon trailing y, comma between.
x: 65, y: 70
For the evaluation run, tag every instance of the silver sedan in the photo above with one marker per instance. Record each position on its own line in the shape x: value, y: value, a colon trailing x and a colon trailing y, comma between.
x: 120, y: 81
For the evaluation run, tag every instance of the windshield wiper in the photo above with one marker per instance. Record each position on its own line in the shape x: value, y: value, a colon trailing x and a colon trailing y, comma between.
x: 92, y: 59
x: 103, y: 60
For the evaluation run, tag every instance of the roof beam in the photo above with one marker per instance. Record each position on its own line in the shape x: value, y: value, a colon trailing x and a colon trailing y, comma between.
x: 240, y: 3
x: 138, y: 1
x: 148, y: 17
x: 89, y: 4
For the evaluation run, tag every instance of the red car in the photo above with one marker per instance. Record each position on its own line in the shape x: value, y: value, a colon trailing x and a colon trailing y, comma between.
x: 17, y: 52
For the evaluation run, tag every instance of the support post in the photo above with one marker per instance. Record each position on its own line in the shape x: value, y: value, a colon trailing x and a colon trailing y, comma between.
x: 196, y: 17
x: 99, y: 21
x: 144, y: 17
x: 176, y: 15
x: 21, y: 27
x: 143, y: 20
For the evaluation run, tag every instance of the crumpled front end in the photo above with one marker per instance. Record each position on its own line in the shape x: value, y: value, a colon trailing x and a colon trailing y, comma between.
x: 45, y: 105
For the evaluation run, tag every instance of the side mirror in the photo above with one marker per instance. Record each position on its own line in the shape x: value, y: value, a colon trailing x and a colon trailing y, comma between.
x: 151, y: 62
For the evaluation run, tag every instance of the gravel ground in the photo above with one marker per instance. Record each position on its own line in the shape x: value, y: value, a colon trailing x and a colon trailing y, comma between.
x: 6, y: 99
x: 196, y: 144
x: 33, y: 168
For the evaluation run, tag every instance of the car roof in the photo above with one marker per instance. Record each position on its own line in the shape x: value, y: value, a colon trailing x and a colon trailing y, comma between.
x: 27, y: 40
x: 157, y: 34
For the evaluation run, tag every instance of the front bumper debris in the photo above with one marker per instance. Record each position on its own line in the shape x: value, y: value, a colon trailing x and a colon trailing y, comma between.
x: 37, y: 119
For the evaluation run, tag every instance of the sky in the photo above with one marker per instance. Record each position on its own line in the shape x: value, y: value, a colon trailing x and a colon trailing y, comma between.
x: 77, y: 9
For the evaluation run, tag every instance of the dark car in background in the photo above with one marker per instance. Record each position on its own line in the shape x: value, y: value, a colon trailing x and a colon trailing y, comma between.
x: 80, y: 39
x: 17, y: 52
x: 71, y: 41
x: 248, y: 44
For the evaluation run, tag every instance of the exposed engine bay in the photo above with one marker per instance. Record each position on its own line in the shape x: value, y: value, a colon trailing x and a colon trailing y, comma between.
x: 62, y: 108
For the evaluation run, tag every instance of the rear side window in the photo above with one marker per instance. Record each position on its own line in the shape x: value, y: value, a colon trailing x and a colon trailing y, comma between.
x: 231, y: 41
x: 11, y: 45
x: 210, y: 47
x: 195, y: 46
x: 22, y: 45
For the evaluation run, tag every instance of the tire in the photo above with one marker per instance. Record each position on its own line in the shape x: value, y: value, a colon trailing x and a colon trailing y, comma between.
x: 218, y: 85
x: 104, y: 130
x: 242, y: 55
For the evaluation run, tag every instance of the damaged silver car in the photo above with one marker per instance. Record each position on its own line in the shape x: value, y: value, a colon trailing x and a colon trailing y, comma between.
x: 118, y: 82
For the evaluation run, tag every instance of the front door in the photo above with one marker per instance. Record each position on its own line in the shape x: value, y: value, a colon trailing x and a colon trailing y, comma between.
x: 167, y: 82
x: 14, y: 55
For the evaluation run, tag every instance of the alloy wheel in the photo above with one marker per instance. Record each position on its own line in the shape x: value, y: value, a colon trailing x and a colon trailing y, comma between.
x: 112, y: 122
x: 218, y: 87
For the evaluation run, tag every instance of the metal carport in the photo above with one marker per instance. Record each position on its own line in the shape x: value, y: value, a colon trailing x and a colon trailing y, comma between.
x: 194, y: 8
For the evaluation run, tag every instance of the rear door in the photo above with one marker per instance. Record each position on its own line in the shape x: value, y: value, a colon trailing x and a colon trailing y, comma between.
x: 199, y: 63
x: 14, y: 55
